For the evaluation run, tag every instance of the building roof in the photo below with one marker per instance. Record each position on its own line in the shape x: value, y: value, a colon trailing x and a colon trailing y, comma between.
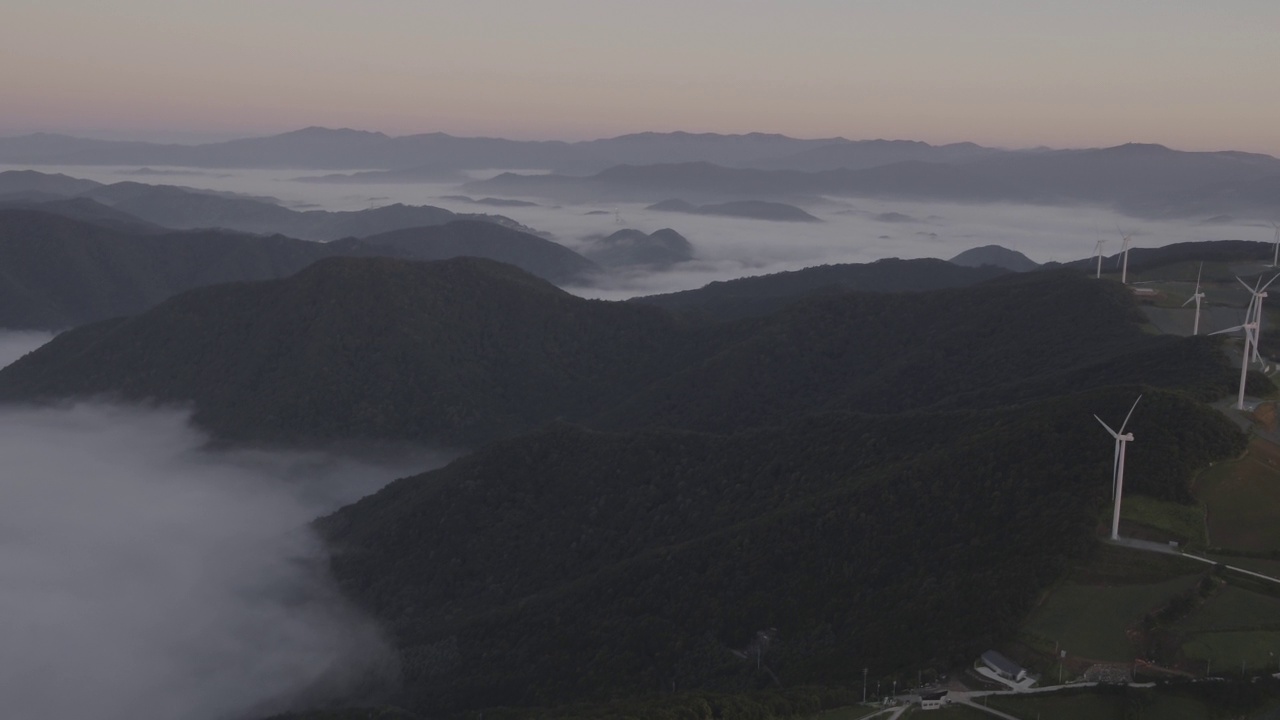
x: 1001, y: 663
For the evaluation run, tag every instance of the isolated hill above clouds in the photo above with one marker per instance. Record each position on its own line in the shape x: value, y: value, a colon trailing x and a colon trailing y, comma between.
x: 995, y: 255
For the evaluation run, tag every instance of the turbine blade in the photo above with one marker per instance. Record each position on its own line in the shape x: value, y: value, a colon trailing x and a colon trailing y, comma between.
x: 1188, y: 302
x: 1231, y: 329
x: 1126, y: 417
x: 1108, y: 427
x: 1245, y: 284
x: 1264, y: 287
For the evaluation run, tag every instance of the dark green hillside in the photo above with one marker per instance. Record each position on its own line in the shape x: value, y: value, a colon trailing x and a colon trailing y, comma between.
x: 79, y: 261
x: 56, y: 272
x: 472, y: 238
x: 86, y: 210
x: 1147, y: 259
x: 456, y: 351
x: 573, y: 565
x: 1015, y: 338
x: 765, y: 294
x: 467, y: 351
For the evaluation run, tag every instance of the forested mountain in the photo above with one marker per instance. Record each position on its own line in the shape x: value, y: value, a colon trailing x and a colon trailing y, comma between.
x: 56, y: 272
x: 453, y: 352
x: 663, y: 502
x: 571, y: 565
x: 1146, y: 259
x: 765, y: 294
x: 532, y: 254
x: 465, y: 351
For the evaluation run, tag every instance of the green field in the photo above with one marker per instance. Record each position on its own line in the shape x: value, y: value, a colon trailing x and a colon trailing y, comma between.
x: 1225, y: 651
x: 949, y: 712
x: 1184, y: 523
x: 1233, y: 608
x: 853, y: 712
x: 1243, y: 500
x: 1090, y: 620
x: 1103, y: 706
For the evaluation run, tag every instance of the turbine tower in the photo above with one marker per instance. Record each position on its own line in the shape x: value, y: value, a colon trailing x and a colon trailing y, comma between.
x: 1256, y: 304
x: 1251, y: 326
x: 1197, y: 297
x: 1275, y: 259
x: 1097, y: 251
x: 1124, y: 257
x: 1117, y: 470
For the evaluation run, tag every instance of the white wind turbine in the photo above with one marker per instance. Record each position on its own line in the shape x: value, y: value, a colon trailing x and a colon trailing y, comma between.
x: 1097, y: 251
x: 1275, y: 258
x: 1197, y: 297
x: 1124, y: 257
x: 1256, y: 305
x: 1117, y: 467
x: 1251, y: 326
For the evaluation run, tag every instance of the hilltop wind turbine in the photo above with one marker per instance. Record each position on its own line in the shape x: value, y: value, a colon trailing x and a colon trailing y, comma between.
x: 1198, y: 296
x: 1251, y: 326
x: 1256, y: 304
x: 1124, y: 257
x: 1117, y: 467
x: 1275, y: 259
x: 1097, y: 251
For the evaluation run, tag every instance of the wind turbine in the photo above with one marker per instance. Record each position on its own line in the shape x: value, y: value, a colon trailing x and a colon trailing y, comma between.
x: 1097, y: 251
x: 1124, y: 257
x: 1250, y: 328
x: 1198, y: 296
x: 1117, y: 468
x: 1256, y: 306
x: 1275, y: 259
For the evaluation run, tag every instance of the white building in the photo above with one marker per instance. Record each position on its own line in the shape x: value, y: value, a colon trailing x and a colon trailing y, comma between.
x: 1003, y: 666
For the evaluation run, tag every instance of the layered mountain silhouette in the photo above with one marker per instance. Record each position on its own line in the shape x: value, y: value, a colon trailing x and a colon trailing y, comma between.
x: 58, y: 271
x: 182, y: 208
x: 1147, y: 180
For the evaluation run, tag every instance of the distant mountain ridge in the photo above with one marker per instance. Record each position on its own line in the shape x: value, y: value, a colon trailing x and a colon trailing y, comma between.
x: 1143, y: 180
x: 183, y: 208
x: 435, y: 155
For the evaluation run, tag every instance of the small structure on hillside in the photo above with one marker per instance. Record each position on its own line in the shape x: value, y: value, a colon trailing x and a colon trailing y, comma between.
x: 1003, y: 666
x: 933, y: 700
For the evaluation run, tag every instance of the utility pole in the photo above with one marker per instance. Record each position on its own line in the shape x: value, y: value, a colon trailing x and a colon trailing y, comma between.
x: 864, y: 685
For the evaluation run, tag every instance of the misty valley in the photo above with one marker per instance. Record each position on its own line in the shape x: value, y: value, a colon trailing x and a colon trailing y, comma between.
x: 332, y: 424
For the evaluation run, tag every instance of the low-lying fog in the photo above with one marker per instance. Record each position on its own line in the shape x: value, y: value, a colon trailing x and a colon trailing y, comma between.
x: 854, y: 230
x: 145, y: 576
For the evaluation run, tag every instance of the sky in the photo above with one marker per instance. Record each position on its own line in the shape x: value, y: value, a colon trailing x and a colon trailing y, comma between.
x: 1185, y: 73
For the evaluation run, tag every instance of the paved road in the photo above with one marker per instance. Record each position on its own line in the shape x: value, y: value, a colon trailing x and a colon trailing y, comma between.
x: 1149, y: 546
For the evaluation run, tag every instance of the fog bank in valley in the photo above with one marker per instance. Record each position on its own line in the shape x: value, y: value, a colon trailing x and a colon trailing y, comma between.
x: 853, y: 230
x: 146, y: 576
